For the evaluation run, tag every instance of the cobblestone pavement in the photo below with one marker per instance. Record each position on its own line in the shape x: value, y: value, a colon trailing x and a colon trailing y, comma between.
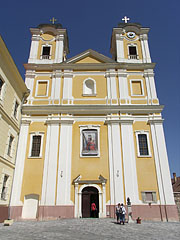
x: 89, y: 229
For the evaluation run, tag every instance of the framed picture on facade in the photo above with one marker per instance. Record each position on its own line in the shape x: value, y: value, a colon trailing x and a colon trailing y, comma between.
x: 90, y: 142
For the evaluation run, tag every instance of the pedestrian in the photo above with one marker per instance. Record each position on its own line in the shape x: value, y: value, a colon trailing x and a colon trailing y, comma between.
x: 122, y: 214
x: 118, y: 208
x: 93, y: 210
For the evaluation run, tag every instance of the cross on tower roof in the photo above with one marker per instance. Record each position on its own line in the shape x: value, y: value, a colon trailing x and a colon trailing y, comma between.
x: 125, y: 19
x: 53, y: 20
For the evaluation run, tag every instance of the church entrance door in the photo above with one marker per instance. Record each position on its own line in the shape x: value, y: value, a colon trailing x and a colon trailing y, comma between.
x: 89, y: 195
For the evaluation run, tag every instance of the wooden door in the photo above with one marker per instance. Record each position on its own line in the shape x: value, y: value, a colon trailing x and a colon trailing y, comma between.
x: 86, y: 210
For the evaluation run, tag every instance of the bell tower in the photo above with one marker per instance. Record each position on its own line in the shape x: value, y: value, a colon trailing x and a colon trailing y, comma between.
x: 129, y: 43
x: 49, y: 44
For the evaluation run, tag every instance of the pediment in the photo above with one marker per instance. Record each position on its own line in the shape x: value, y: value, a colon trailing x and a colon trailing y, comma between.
x: 90, y: 56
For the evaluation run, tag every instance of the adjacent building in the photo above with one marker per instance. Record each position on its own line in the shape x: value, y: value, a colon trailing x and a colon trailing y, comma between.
x: 91, y: 131
x: 12, y: 92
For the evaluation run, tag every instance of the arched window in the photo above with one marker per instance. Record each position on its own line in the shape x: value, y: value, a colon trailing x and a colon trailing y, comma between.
x: 89, y: 87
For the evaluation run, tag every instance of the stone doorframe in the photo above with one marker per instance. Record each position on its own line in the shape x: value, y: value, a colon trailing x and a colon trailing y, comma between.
x: 90, y: 183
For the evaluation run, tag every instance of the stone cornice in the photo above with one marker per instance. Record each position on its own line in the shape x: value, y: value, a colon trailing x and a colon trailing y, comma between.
x: 89, y: 66
x: 90, y: 109
x: 59, y: 121
x: 152, y: 121
x: 119, y: 121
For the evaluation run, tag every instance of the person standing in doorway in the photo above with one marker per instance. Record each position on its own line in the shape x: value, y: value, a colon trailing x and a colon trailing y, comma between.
x: 93, y: 210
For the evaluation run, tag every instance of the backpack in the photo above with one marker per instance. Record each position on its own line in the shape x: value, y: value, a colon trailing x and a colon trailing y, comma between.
x: 120, y: 210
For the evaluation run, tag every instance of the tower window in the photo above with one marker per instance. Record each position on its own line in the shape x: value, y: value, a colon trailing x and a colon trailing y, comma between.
x: 133, y: 52
x: 4, y: 188
x: 10, y: 145
x: 46, y: 50
x: 36, y: 146
x: 143, y: 145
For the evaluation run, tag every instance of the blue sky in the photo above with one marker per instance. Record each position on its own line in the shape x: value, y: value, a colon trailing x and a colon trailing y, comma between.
x: 89, y: 25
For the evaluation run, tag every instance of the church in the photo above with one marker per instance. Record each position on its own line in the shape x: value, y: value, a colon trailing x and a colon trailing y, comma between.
x: 91, y: 131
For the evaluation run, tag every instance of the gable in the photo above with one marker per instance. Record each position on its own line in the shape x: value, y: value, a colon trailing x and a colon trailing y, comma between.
x: 90, y: 56
x: 89, y: 60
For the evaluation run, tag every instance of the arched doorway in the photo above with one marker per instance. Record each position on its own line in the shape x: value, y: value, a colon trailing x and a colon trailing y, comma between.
x: 89, y: 195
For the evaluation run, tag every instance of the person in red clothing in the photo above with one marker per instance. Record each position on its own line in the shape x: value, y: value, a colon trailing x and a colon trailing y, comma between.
x: 93, y: 210
x: 90, y: 144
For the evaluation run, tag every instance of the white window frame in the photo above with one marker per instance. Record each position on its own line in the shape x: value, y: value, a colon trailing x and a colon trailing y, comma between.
x: 133, y: 45
x: 36, y: 92
x: 154, y: 195
x: 2, y: 89
x: 89, y: 127
x: 50, y: 55
x: 84, y: 87
x: 148, y: 143
x: 142, y: 87
x: 31, y: 139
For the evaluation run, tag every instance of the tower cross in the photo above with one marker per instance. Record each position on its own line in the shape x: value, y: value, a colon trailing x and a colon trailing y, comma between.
x: 125, y: 19
x: 53, y: 20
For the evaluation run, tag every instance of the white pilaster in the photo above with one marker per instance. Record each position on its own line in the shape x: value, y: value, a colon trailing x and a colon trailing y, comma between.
x: 120, y: 47
x: 129, y: 161
x: 65, y: 157
x: 115, y: 163
x: 34, y: 48
x: 150, y: 83
x: 19, y: 169
x: 123, y: 85
x: 29, y: 80
x: 76, y: 201
x: 67, y: 89
x: 59, y: 49
x: 50, y: 164
x: 143, y: 49
x: 104, y: 199
x: 161, y: 161
x: 146, y: 47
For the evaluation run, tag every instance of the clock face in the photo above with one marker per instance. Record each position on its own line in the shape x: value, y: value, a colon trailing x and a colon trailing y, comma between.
x: 131, y: 34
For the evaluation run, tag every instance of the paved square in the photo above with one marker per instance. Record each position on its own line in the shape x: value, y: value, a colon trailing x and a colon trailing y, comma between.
x: 89, y: 229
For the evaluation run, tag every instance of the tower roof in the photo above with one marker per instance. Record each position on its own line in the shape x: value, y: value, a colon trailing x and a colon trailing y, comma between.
x: 55, y: 25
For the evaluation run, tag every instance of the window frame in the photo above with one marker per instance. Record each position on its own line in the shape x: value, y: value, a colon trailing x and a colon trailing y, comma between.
x: 16, y: 110
x: 84, y: 87
x: 89, y: 128
x: 142, y: 87
x: 10, y: 145
x: 31, y: 144
x: 154, y: 196
x: 5, y: 186
x: 47, y: 92
x: 2, y: 89
x: 50, y: 52
x: 148, y: 143
x: 137, y: 54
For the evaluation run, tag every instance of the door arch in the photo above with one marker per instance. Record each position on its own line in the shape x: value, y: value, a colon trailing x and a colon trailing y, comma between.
x: 90, y: 195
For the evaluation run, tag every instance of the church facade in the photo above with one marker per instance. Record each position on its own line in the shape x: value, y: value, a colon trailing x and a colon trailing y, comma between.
x: 91, y: 131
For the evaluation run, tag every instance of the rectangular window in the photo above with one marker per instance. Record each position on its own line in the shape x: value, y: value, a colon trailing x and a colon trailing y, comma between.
x: 42, y: 88
x: 36, y: 146
x: 1, y: 85
x: 148, y: 197
x: 132, y: 52
x: 15, y: 109
x: 136, y: 88
x: 89, y: 142
x: 143, y: 145
x: 46, y: 52
x: 10, y: 145
x: 4, y: 188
